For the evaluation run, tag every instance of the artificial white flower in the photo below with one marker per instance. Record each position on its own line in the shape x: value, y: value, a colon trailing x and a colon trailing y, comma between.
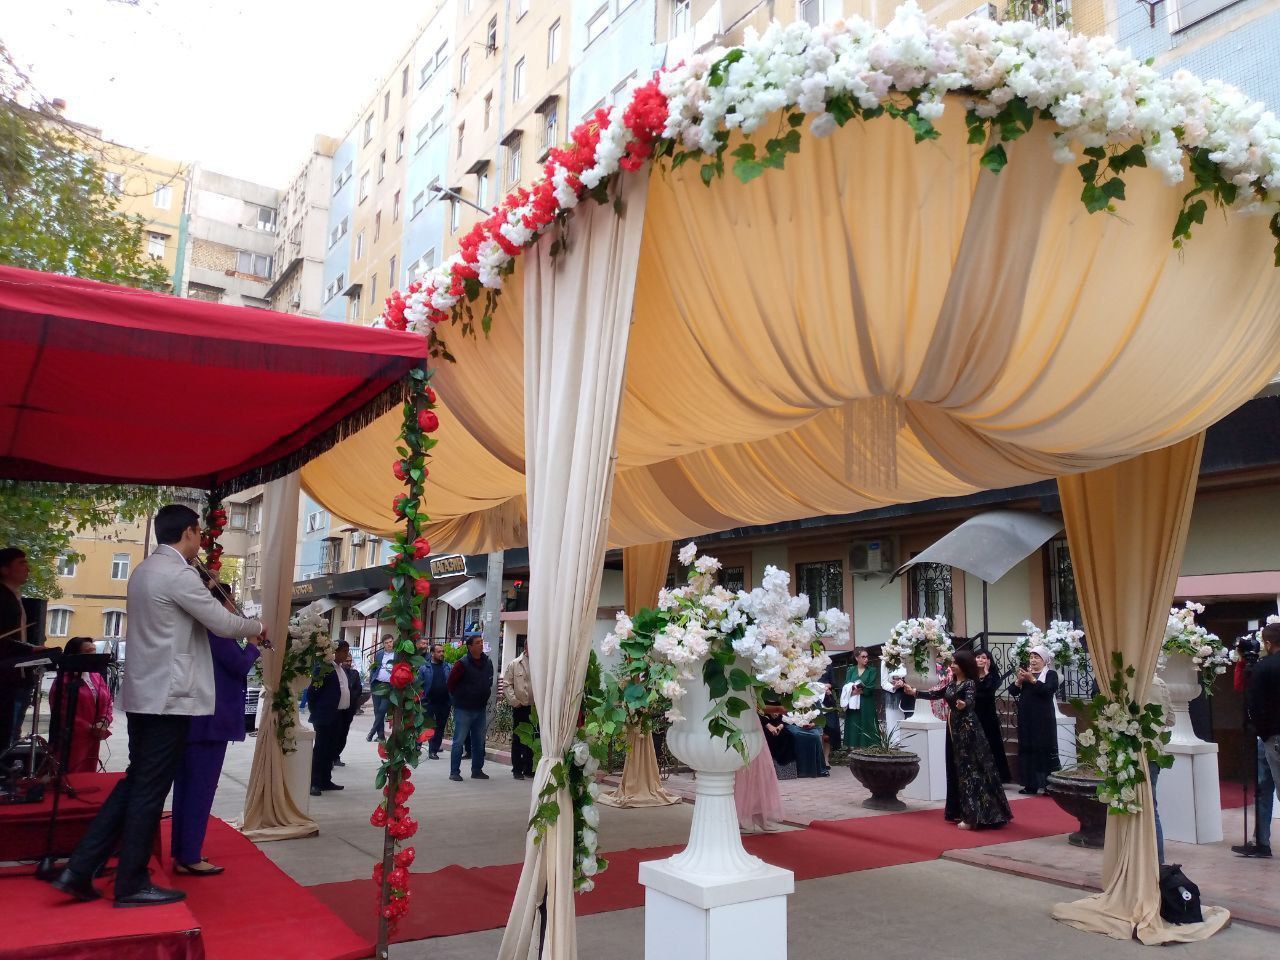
x: 687, y: 553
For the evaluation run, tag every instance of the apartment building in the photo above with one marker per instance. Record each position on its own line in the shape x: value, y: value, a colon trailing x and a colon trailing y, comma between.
x: 231, y: 240
x: 94, y: 587
x: 297, y: 281
x: 154, y: 189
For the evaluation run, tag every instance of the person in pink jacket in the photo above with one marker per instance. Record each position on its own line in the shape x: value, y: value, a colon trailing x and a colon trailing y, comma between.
x: 93, y: 713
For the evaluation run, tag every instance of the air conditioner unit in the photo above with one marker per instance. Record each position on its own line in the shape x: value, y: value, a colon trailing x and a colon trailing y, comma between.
x: 871, y: 557
x: 357, y: 539
x: 295, y: 302
x: 256, y: 528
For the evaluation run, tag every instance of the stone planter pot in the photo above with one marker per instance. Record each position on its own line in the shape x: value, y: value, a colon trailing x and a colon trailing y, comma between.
x: 1183, y: 680
x: 1076, y: 792
x: 715, y: 852
x: 917, y: 680
x: 884, y: 774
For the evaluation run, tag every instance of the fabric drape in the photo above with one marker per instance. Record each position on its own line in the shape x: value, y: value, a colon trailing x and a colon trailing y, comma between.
x: 644, y: 571
x: 577, y: 320
x: 1127, y: 528
x: 1004, y: 322
x: 269, y: 811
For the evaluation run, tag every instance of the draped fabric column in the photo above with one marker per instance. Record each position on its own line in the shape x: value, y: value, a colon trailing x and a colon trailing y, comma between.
x: 577, y: 319
x: 644, y: 570
x: 269, y: 811
x: 1127, y: 528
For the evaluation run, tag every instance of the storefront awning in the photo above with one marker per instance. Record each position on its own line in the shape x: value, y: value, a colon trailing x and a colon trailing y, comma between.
x: 464, y: 593
x: 375, y: 603
x: 990, y: 544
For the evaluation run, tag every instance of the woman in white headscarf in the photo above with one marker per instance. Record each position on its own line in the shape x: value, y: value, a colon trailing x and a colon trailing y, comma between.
x: 1035, y: 687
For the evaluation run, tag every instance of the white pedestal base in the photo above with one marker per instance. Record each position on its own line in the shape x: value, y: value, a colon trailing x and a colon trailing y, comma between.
x: 690, y: 919
x: 1188, y: 794
x: 297, y: 768
x: 927, y: 739
x: 1067, y: 755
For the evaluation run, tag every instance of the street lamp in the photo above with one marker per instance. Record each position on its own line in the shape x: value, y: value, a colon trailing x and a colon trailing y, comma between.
x: 436, y: 188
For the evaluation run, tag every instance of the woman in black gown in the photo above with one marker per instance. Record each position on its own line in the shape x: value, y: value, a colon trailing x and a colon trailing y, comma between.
x: 1035, y: 688
x: 988, y: 684
x: 981, y: 798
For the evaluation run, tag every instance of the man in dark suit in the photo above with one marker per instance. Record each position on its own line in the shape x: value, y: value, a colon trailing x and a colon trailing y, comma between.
x: 14, y: 633
x: 348, y: 715
x: 329, y: 699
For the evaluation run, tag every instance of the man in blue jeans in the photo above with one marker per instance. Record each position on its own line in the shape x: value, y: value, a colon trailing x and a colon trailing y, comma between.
x: 470, y: 685
x: 380, y: 665
x: 1262, y: 697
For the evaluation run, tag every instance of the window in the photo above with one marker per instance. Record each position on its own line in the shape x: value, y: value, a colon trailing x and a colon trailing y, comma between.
x: 1064, y: 602
x: 391, y: 273
x: 464, y: 67
x: 334, y: 288
x: 491, y: 37
x: 382, y: 166
x: 513, y: 160
x: 377, y: 226
x: 488, y: 108
x: 66, y: 567
x: 428, y: 260
x: 616, y: 94
x: 437, y: 120
x: 553, y: 43
x: 368, y: 128
x: 364, y: 187
x: 386, y: 105
x: 462, y: 129
x: 810, y: 11
x: 482, y: 189
x: 316, y: 520
x: 442, y: 55
x: 418, y: 203
x: 266, y: 219
x: 734, y: 579
x: 681, y: 16
x: 823, y: 582
x: 422, y: 136
x: 340, y: 180
x: 359, y: 245
x: 120, y: 566
x: 255, y: 506
x: 598, y: 23
x: 155, y: 244
x: 395, y: 207
x: 551, y: 120
x: 59, y: 622
x: 353, y: 307
x: 522, y: 9
x: 929, y: 591
x: 400, y: 144
x: 113, y: 183
x: 254, y: 264
x: 404, y: 82
x: 239, y: 516
x: 517, y: 80
x: 591, y: 112
x: 373, y: 287
x: 200, y: 291
x: 455, y: 216
x: 338, y: 232
x: 1183, y: 14
x: 113, y: 624
x: 163, y: 196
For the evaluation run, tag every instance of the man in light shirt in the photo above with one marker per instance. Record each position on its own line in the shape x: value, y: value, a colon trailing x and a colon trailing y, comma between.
x: 380, y: 665
x: 329, y: 699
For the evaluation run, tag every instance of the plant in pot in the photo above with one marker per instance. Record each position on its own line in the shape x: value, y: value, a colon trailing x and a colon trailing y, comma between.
x: 1075, y: 790
x: 884, y: 768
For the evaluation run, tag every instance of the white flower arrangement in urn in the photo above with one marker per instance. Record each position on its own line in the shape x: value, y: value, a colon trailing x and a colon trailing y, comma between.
x: 310, y: 655
x: 1183, y: 635
x: 917, y: 643
x: 1061, y: 639
x: 744, y: 646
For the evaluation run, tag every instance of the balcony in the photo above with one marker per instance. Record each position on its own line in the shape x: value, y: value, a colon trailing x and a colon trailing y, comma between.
x: 1043, y: 13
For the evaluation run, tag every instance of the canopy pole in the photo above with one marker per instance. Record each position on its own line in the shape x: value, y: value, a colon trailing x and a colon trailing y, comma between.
x: 986, y: 627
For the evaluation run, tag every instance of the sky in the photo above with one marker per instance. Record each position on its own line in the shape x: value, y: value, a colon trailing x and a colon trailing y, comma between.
x: 239, y: 86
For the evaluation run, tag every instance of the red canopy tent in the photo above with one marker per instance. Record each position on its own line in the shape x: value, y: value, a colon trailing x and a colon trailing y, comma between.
x: 100, y: 383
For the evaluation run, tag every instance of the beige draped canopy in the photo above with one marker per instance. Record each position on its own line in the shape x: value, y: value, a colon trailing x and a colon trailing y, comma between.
x: 1019, y: 337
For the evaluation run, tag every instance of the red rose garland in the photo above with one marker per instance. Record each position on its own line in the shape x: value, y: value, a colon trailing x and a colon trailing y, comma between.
x: 410, y: 587
x: 215, y: 521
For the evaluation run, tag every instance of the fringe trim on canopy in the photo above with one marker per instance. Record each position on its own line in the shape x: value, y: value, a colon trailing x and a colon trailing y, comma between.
x: 382, y: 403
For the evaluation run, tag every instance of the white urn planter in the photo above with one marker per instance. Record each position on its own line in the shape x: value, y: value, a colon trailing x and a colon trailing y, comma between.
x: 1183, y: 680
x: 1188, y: 792
x: 920, y: 680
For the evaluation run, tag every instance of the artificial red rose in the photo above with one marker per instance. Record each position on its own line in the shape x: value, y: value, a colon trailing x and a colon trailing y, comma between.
x: 397, y: 468
x: 426, y: 735
x: 422, y: 587
x: 401, y: 811
x: 377, y: 873
x: 428, y: 421
x: 379, y: 817
x: 406, y: 773
x: 403, y: 828
x: 406, y: 857
x: 401, y: 675
x: 418, y: 625
x: 397, y: 505
x: 399, y: 878
x: 213, y: 566
x: 430, y: 394
x: 404, y: 792
x: 382, y: 750
x: 421, y: 547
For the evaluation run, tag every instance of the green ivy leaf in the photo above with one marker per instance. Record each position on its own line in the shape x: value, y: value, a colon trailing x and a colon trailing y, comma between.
x: 995, y: 159
x: 1094, y: 198
x: 841, y: 108
x: 1114, y: 188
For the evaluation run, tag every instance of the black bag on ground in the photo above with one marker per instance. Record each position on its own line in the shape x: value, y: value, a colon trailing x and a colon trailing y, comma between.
x: 1179, y: 897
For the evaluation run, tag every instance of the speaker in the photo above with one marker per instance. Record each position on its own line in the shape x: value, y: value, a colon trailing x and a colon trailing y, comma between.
x: 37, y: 615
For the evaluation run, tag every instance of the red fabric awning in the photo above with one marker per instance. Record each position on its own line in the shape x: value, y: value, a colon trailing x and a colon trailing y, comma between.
x: 106, y: 384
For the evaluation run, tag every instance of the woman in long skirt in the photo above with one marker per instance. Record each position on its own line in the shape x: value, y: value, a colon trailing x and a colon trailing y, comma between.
x: 756, y: 793
x: 981, y: 798
x: 1035, y: 687
x: 859, y: 700
x: 988, y: 684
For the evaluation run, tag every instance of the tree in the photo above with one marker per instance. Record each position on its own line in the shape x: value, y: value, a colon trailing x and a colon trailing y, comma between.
x: 43, y: 519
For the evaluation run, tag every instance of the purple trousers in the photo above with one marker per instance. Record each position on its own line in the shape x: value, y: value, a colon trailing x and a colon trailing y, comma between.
x: 193, y: 791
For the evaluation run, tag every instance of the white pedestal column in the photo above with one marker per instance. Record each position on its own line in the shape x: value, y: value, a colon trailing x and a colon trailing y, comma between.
x: 1067, y: 754
x: 696, y: 919
x: 927, y: 739
x: 1188, y: 794
x: 297, y: 767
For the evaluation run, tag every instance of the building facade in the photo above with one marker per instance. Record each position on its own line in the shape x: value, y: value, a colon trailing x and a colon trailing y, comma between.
x: 297, y: 281
x: 231, y: 240
x: 93, y: 587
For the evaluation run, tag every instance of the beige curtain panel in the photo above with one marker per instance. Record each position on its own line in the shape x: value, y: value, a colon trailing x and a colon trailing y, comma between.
x: 1127, y: 528
x: 1025, y: 338
x: 644, y: 571
x: 270, y: 813
x: 575, y: 354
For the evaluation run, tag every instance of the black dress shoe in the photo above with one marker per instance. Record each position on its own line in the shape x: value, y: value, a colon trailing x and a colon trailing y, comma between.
x: 456, y: 777
x: 151, y: 896
x: 332, y: 786
x: 338, y: 763
x: 432, y: 755
x: 369, y: 738
x: 479, y: 775
x: 315, y: 791
x: 517, y: 776
x: 1250, y: 849
x: 1026, y: 791
x: 79, y: 887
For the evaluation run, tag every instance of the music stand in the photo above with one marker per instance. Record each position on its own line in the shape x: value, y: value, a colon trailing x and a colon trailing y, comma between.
x: 34, y: 661
x: 70, y: 676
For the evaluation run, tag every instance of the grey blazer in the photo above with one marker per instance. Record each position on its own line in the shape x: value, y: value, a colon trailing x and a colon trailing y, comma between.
x: 169, y: 668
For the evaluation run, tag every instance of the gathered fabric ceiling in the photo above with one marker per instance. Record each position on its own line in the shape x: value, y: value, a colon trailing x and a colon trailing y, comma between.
x: 883, y: 322
x: 100, y: 383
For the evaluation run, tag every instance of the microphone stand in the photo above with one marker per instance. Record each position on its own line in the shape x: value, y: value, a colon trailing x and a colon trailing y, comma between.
x: 47, y: 868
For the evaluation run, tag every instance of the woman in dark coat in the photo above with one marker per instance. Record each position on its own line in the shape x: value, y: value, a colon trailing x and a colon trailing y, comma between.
x: 979, y: 794
x: 988, y: 685
x: 207, y: 740
x: 1037, y: 727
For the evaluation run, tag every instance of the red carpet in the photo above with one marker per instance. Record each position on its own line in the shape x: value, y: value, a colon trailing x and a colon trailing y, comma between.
x: 24, y: 826
x: 829, y: 847
x: 252, y: 910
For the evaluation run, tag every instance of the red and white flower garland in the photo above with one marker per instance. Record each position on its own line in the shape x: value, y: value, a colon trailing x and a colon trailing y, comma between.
x: 1010, y: 74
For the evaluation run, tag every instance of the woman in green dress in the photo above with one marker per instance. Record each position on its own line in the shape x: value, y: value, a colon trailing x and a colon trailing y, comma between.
x: 858, y: 698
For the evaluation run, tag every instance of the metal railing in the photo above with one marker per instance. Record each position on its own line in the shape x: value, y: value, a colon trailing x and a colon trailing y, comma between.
x: 1074, y: 682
